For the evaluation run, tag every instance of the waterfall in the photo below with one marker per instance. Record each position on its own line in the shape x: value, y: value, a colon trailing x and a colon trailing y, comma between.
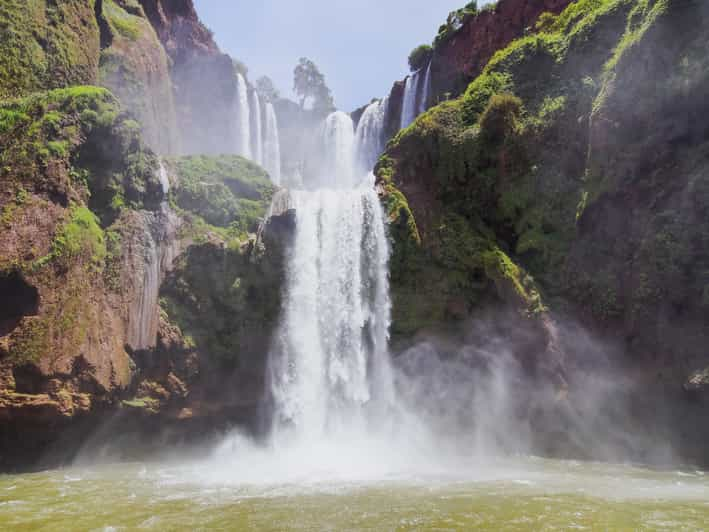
x: 369, y: 137
x: 243, y: 118
x: 335, y: 158
x: 271, y: 146
x: 416, y: 94
x: 164, y: 180
x: 408, y: 107
x: 330, y: 369
x: 423, y: 103
x: 256, y: 128
x: 152, y: 256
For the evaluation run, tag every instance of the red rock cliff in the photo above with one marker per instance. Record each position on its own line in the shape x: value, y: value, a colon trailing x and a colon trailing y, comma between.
x: 462, y: 56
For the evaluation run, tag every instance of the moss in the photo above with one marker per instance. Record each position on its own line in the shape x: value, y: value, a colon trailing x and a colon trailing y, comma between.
x: 147, y: 404
x: 46, y: 44
x: 227, y: 191
x: 80, y: 237
x: 514, y: 285
x: 226, y: 300
x: 135, y: 66
x: 506, y: 160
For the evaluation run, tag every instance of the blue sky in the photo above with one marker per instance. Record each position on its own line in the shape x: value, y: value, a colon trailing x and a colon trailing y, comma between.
x: 360, y: 45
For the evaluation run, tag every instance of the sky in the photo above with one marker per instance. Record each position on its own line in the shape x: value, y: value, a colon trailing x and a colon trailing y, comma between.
x: 361, y: 46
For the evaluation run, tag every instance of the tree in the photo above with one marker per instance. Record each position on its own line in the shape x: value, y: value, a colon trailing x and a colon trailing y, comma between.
x: 309, y: 84
x: 266, y: 88
x: 420, y: 56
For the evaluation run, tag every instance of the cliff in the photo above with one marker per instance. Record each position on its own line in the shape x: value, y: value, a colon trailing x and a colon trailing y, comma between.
x: 155, y: 56
x: 569, y: 179
x: 465, y: 45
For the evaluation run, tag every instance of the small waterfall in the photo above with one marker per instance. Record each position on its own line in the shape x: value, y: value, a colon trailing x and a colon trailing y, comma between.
x: 369, y: 137
x: 243, y: 118
x: 256, y: 128
x: 271, y: 146
x: 154, y: 254
x: 408, y: 108
x: 423, y: 103
x: 330, y: 368
x: 164, y: 179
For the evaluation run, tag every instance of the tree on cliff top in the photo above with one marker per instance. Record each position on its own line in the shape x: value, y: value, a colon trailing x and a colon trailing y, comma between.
x: 309, y: 84
x: 266, y: 88
x: 420, y: 56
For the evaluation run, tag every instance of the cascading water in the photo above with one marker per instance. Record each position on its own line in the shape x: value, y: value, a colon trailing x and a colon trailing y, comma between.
x: 271, y: 145
x: 333, y: 164
x: 330, y: 367
x: 408, y: 107
x: 243, y: 118
x: 256, y: 128
x: 416, y: 94
x: 369, y: 138
x: 423, y: 102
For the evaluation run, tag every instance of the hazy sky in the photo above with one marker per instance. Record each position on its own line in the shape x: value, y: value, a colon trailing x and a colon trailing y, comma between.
x: 360, y: 45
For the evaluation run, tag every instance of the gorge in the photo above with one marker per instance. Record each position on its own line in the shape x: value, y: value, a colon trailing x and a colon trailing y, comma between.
x: 480, y: 300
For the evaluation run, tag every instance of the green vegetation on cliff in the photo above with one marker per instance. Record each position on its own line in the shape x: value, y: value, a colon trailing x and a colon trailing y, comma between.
x: 72, y: 160
x: 135, y: 67
x: 47, y: 44
x: 226, y: 191
x: 78, y: 143
x: 509, y: 159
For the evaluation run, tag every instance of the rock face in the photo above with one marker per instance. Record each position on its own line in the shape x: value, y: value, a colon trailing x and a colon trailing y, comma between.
x: 462, y: 54
x: 203, y: 78
x: 155, y: 55
x: 136, y: 68
x: 88, y: 239
x: 466, y: 44
x: 62, y: 348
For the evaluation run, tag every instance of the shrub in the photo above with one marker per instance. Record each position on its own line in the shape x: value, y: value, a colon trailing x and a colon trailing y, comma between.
x: 501, y: 117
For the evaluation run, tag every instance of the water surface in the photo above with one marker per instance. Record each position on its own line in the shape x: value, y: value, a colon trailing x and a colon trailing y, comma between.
x: 515, y: 494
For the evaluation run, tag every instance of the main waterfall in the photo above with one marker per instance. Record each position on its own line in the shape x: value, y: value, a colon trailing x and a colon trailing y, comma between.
x: 330, y: 370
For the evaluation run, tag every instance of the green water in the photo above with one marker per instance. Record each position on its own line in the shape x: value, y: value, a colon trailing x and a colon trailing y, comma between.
x: 519, y: 494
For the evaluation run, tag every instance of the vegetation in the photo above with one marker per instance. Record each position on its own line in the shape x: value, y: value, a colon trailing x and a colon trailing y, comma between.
x: 420, y: 57
x: 45, y: 45
x: 226, y: 191
x: 80, y: 237
x: 455, y: 21
x: 82, y: 132
x: 309, y: 84
x: 266, y: 88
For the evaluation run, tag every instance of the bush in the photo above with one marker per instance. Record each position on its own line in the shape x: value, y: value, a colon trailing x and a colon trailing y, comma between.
x: 420, y: 57
x: 501, y: 116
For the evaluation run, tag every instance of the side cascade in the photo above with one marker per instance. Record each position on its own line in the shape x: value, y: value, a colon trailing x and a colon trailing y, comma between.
x: 271, y: 145
x: 256, y: 128
x: 426, y: 94
x: 416, y: 95
x: 158, y: 249
x: 369, y: 137
x: 243, y: 118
